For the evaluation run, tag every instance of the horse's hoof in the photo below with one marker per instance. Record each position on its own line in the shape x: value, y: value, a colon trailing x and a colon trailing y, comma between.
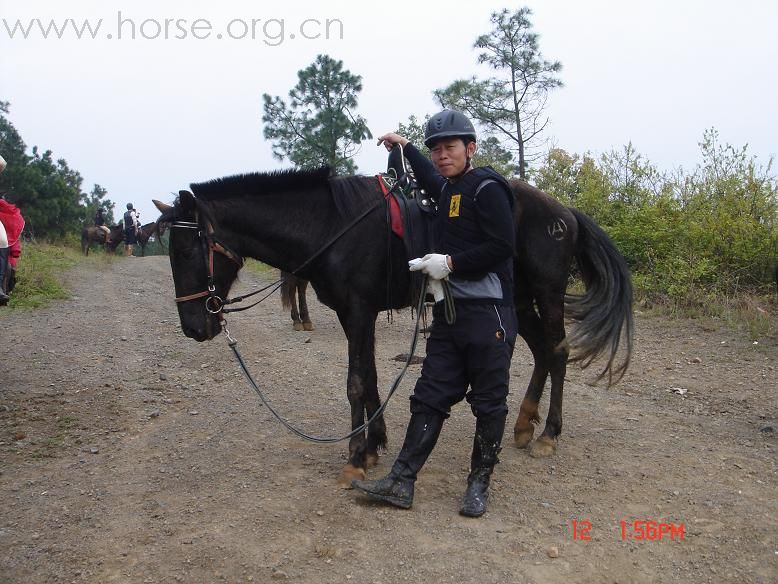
x: 298, y: 326
x: 371, y: 460
x: 350, y: 473
x: 308, y: 326
x: 522, y: 438
x: 543, y: 447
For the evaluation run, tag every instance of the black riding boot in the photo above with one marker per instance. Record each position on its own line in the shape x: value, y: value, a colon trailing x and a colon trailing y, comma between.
x: 486, y: 446
x: 396, y: 488
x: 4, y: 267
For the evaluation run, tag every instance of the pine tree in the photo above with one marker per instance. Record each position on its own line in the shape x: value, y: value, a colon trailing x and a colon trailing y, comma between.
x: 318, y: 126
x: 510, y: 105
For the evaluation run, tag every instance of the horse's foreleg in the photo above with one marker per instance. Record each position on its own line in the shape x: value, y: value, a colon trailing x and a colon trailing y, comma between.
x: 302, y: 286
x: 376, y: 432
x: 552, y: 317
x: 362, y: 394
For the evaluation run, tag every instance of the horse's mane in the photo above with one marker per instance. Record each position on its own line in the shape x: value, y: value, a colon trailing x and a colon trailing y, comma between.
x: 259, y: 183
x: 351, y: 194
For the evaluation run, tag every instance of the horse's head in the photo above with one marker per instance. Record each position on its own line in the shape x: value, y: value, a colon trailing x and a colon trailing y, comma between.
x: 203, y: 267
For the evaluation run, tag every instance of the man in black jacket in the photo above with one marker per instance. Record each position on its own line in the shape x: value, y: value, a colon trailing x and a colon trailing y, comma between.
x: 474, y: 238
x: 131, y: 227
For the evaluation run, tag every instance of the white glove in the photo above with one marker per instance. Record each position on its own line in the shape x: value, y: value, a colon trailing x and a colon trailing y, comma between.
x: 435, y: 265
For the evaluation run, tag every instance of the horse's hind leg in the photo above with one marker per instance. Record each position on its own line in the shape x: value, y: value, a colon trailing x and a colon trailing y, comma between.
x: 531, y: 331
x: 297, y: 324
x: 302, y: 286
x: 551, y: 309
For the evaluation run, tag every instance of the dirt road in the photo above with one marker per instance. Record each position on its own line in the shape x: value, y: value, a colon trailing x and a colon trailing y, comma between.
x: 129, y: 453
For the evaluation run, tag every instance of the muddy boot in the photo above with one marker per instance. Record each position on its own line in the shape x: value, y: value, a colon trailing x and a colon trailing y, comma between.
x: 486, y: 446
x: 396, y: 488
x: 4, y: 267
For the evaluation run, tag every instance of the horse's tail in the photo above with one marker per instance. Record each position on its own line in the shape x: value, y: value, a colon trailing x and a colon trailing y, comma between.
x: 288, y: 286
x: 604, y: 312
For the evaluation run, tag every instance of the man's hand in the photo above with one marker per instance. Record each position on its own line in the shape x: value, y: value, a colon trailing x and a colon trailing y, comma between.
x: 435, y: 265
x: 391, y: 139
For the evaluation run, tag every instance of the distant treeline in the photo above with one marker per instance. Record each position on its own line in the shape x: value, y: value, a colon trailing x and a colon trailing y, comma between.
x: 48, y: 192
x: 688, y: 236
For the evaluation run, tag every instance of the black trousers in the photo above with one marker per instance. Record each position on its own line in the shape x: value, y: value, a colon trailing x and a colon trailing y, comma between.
x: 470, y: 360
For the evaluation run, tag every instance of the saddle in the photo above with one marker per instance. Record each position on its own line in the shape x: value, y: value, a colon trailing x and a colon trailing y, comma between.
x: 410, y: 210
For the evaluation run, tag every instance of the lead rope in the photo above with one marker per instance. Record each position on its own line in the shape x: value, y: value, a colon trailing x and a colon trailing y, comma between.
x: 448, y: 303
x: 233, y: 344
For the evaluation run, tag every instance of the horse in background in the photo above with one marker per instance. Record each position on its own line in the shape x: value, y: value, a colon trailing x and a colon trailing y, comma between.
x: 145, y: 233
x: 292, y: 289
x: 90, y: 235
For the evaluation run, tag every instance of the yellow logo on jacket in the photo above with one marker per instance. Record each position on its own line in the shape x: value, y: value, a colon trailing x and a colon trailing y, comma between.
x: 453, y: 209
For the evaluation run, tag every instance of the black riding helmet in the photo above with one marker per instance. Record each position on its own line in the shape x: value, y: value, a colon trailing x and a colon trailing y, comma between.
x: 129, y: 206
x: 448, y: 124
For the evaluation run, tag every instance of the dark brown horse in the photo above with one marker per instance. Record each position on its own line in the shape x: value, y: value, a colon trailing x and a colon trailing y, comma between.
x: 285, y: 218
x: 293, y: 297
x: 90, y: 235
x: 145, y: 233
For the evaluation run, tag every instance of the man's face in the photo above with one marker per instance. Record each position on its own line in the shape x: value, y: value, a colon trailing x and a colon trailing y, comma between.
x: 449, y: 156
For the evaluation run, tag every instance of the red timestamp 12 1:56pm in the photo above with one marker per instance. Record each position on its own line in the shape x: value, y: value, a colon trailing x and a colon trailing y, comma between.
x: 637, y: 530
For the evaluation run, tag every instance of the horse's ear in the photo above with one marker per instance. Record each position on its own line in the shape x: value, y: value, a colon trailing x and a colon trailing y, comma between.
x: 163, y: 207
x: 186, y: 200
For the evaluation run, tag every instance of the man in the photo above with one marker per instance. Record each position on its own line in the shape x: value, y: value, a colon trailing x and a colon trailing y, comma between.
x: 11, y: 227
x: 131, y: 226
x: 469, y: 359
x: 100, y: 222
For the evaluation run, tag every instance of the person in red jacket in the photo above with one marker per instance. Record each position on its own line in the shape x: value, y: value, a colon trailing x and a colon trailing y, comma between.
x: 11, y: 227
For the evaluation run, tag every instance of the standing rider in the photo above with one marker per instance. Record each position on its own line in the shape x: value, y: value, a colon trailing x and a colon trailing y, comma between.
x: 131, y: 227
x: 470, y: 359
x: 11, y: 227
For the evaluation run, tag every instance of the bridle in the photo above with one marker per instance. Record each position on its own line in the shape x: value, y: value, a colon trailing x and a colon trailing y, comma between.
x: 209, y: 244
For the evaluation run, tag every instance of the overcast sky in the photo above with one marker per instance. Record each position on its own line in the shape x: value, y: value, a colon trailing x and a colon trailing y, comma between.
x: 146, y: 117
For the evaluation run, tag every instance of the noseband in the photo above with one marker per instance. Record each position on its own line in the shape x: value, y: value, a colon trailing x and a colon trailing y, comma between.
x: 209, y: 244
